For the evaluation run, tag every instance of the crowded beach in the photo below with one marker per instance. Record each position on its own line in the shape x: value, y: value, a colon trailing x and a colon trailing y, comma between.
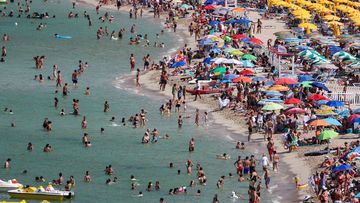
x: 288, y: 91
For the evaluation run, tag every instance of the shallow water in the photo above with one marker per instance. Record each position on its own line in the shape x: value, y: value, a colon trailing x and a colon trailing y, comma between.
x: 119, y: 146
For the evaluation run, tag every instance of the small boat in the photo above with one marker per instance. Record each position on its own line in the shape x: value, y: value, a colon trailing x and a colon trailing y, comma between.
x: 10, y: 184
x: 22, y: 201
x: 40, y: 193
x: 207, y: 91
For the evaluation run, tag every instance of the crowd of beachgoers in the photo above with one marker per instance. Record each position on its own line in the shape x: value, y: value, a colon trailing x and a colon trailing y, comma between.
x: 284, y: 101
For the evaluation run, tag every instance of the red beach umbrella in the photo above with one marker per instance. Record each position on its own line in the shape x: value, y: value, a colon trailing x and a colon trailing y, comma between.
x: 209, y: 7
x: 242, y: 79
x: 293, y: 101
x: 352, y: 117
x: 286, y: 81
x: 256, y: 41
x: 317, y: 97
x: 246, y: 72
x: 295, y: 111
x: 238, y: 36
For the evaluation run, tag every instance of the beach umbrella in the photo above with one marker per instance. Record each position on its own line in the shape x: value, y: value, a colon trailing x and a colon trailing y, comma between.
x: 321, y: 102
x: 353, y: 117
x: 221, y: 12
x: 242, y: 21
x: 295, y: 111
x: 319, y: 123
x: 232, y: 61
x: 332, y: 121
x: 236, y: 53
x: 238, y: 36
x: 186, y: 6
x: 206, y: 41
x: 272, y: 107
x: 219, y: 70
x: 219, y: 60
x: 215, y: 50
x: 238, y: 10
x: 356, y: 111
x: 256, y: 41
x: 343, y: 167
x: 335, y: 103
x: 306, y: 84
x: 209, y: 7
x: 320, y: 85
x: 317, y: 97
x: 248, y: 57
x: 273, y: 100
x: 247, y: 63
x: 302, y: 78
x: 308, y: 27
x: 230, y: 21
x: 207, y: 60
x: 355, y: 120
x: 3, y: 2
x: 273, y: 94
x: 227, y: 39
x: 242, y: 79
x: 325, y: 112
x: 178, y: 64
x: 229, y: 49
x: 330, y: 18
x: 258, y: 79
x: 327, y: 135
x: 246, y: 72
x: 279, y: 88
x: 286, y: 81
x: 214, y: 22
x: 282, y: 32
x: 230, y: 77
x: 293, y: 101
x: 344, y: 113
x: 302, y: 48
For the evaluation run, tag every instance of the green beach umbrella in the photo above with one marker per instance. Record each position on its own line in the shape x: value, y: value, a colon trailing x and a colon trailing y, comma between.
x: 328, y: 134
x: 271, y: 106
x: 306, y: 83
x: 219, y: 70
x: 248, y: 57
x: 227, y: 39
x: 229, y: 49
x: 185, y: 6
x: 3, y: 2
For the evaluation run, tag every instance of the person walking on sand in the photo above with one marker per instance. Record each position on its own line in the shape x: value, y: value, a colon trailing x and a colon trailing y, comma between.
x: 197, y: 90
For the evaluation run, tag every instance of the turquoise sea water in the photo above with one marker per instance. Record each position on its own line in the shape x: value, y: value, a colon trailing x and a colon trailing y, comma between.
x: 119, y: 146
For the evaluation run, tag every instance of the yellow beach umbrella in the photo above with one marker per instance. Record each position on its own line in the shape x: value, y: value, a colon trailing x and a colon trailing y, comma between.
x: 330, y: 18
x: 279, y: 88
x: 357, y: 24
x: 236, y: 53
x: 335, y: 23
x: 308, y: 27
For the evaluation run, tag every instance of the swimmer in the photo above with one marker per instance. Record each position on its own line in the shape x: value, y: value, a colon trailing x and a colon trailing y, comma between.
x: 87, y: 91
x: 223, y: 156
x: 62, y: 113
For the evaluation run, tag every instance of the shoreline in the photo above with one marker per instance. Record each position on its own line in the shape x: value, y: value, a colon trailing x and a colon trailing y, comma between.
x: 283, y: 187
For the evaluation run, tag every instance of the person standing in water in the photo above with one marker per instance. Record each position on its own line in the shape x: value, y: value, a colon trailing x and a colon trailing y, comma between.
x: 197, y: 117
x: 58, y: 79
x: 132, y: 62
x: 138, y: 78
x: 106, y: 106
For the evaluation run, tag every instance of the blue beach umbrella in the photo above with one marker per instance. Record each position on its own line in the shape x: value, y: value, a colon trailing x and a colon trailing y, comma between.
x: 356, y: 111
x: 335, y: 103
x: 245, y: 39
x: 357, y: 195
x: 214, y: 22
x: 320, y: 85
x: 207, y: 60
x: 247, y: 63
x: 230, y: 21
x: 215, y: 50
x: 178, y: 64
x: 321, y: 102
x: 206, y: 42
x: 230, y: 77
x: 332, y: 121
x: 258, y: 79
x: 344, y: 113
x: 356, y: 120
x: 225, y: 81
x: 303, y: 78
x: 273, y: 94
x: 274, y: 100
x: 302, y: 48
x: 343, y: 167
x: 243, y: 21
